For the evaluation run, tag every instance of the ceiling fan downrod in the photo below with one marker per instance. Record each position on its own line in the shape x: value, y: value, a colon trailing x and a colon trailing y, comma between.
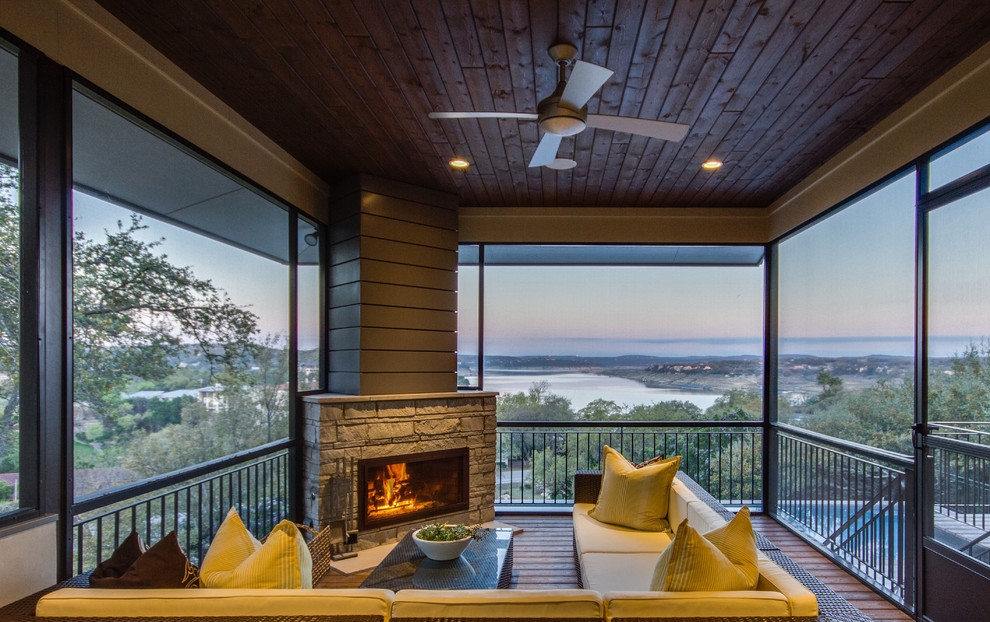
x: 554, y: 116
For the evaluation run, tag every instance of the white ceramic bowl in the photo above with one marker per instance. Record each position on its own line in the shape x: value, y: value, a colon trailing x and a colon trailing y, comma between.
x: 441, y: 551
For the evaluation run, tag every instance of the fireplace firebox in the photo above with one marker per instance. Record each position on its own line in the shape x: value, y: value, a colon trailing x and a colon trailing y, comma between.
x: 397, y: 489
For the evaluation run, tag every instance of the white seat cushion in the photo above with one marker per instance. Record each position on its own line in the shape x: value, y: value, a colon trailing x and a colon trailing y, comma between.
x: 605, y: 572
x: 592, y: 536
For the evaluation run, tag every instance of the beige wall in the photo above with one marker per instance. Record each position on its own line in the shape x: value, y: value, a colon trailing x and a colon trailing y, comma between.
x: 27, y: 558
x: 80, y: 35
x: 612, y: 225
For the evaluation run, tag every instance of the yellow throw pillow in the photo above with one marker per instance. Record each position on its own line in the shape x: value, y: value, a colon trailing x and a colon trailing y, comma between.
x: 691, y: 563
x: 236, y: 559
x: 736, y: 541
x: 632, y: 497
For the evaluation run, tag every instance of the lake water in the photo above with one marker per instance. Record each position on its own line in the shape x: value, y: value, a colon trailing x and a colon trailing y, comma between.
x: 583, y: 388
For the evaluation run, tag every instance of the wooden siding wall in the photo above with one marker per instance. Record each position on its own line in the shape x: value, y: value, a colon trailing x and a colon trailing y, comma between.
x: 393, y: 289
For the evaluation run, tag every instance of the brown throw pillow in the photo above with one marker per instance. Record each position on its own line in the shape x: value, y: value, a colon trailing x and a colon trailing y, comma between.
x: 164, y: 565
x: 126, y: 554
x: 653, y: 460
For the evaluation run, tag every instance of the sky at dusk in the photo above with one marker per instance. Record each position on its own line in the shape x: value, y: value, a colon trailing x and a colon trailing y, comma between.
x: 260, y: 284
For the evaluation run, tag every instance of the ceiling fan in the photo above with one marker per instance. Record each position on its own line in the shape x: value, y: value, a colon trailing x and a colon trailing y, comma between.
x: 565, y: 113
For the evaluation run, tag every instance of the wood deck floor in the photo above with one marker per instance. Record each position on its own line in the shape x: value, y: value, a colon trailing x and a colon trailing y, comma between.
x: 543, y: 558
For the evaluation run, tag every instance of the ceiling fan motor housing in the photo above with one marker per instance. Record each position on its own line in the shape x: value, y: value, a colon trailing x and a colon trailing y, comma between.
x: 557, y: 118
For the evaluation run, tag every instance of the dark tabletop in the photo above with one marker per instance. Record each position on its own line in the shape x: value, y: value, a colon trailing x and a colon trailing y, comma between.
x: 486, y: 563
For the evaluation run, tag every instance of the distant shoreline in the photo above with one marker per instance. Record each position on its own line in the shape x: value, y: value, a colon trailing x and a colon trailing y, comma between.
x: 707, y: 375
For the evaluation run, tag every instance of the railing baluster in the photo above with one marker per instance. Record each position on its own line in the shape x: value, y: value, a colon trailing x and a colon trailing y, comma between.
x: 95, y: 531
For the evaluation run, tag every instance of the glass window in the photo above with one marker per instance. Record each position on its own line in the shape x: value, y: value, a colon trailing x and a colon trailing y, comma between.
x: 625, y: 342
x: 468, y: 274
x: 180, y: 306
x: 308, y: 301
x: 960, y: 160
x: 959, y: 370
x: 10, y: 288
x: 958, y: 317
x: 846, y: 321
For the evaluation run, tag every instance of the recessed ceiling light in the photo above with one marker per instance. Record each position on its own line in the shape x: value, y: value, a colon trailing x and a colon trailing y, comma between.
x: 459, y: 163
x: 712, y: 164
x: 562, y: 164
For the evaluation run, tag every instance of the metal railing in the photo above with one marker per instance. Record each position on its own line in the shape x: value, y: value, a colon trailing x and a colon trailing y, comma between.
x: 854, y: 501
x: 970, y: 431
x: 192, y: 502
x: 961, y: 473
x: 536, y: 461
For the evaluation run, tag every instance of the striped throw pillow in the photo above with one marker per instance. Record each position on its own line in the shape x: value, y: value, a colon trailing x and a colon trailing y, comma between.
x: 736, y: 541
x: 694, y: 563
x: 632, y: 497
x: 236, y: 559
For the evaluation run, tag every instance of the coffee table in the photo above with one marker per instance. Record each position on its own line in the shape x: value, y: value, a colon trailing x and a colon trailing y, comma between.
x: 485, y: 563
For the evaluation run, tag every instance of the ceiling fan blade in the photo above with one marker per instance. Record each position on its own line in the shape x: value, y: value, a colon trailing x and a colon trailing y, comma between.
x: 528, y: 116
x: 644, y: 127
x: 585, y: 80
x: 546, y: 152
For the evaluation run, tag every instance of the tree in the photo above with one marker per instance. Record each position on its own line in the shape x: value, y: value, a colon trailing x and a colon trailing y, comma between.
x: 830, y: 384
x: 602, y: 410
x: 134, y: 312
x: 264, y: 390
x: 537, y: 404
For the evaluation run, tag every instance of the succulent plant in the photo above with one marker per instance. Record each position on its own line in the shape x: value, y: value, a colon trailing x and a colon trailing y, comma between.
x: 442, y: 532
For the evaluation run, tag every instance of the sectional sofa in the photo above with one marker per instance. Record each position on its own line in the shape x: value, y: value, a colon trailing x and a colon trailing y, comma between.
x: 616, y: 564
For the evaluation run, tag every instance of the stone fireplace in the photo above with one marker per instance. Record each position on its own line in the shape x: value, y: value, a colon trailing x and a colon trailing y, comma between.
x: 380, y: 465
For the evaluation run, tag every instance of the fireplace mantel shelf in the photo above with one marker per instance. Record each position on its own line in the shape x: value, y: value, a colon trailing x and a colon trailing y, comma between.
x: 340, y: 398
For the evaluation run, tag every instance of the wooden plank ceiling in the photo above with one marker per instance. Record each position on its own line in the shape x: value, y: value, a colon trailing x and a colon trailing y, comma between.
x: 772, y: 87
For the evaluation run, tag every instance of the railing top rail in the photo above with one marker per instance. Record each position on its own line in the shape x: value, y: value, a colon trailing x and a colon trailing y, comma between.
x: 155, y: 484
x: 955, y: 445
x: 629, y: 424
x: 901, y: 460
x: 956, y: 427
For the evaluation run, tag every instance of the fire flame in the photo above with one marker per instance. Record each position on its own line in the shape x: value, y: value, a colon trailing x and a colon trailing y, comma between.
x: 396, y: 475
